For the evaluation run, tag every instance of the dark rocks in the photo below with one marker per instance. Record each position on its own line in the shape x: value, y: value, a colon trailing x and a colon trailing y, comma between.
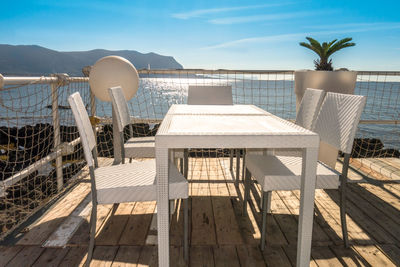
x: 372, y: 148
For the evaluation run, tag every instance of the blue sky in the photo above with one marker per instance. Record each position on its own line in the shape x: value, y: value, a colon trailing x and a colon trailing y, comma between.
x: 213, y: 34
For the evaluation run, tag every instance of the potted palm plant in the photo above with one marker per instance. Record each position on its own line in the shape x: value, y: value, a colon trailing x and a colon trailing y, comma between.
x: 325, y: 78
x: 325, y: 50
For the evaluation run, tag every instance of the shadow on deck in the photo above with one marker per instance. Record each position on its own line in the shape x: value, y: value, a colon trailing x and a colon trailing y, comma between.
x: 219, y: 234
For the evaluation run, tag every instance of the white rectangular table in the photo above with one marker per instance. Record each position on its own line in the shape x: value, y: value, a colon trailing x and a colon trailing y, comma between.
x: 234, y: 126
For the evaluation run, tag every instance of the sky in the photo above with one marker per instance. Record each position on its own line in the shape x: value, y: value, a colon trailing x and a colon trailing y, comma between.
x: 211, y: 34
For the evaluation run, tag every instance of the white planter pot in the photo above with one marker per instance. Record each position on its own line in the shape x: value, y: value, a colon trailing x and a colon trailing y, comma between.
x: 331, y: 81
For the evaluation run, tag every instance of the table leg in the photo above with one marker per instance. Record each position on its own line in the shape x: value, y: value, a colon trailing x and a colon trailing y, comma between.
x: 306, y: 216
x: 162, y: 164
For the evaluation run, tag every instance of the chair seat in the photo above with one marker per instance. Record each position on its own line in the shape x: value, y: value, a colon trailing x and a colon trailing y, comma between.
x: 140, y: 147
x: 284, y: 173
x: 144, y: 147
x: 136, y: 181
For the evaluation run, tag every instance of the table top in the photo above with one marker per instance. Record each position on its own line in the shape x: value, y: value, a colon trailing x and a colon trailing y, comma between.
x: 229, y: 126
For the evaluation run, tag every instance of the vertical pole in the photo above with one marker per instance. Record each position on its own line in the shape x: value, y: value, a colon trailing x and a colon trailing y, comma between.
x: 57, y: 138
x: 116, y: 140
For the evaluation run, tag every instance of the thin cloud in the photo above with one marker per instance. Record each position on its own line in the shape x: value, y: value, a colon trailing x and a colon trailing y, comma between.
x: 261, y: 39
x: 202, y: 12
x: 295, y: 36
x: 374, y: 25
x: 269, y: 17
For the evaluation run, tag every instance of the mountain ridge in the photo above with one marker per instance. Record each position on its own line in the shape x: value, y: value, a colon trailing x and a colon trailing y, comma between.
x: 37, y: 60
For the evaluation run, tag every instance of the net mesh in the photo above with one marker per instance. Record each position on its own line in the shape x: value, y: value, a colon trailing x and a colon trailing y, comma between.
x: 27, y: 152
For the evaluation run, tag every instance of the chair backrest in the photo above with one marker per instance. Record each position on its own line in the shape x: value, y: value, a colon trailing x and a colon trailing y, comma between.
x: 120, y: 107
x: 210, y: 95
x: 84, y: 126
x: 338, y: 119
x: 309, y: 107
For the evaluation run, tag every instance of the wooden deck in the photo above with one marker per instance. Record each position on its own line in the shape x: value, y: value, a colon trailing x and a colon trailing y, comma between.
x: 219, y: 235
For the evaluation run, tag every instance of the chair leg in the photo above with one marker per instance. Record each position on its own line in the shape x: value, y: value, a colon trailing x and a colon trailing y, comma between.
x: 246, y: 191
x: 237, y: 165
x: 243, y: 164
x: 93, y: 218
x: 264, y: 221
x: 231, y: 160
x: 181, y: 168
x: 114, y: 208
x: 186, y: 230
x: 130, y: 160
x: 185, y: 163
x: 268, y: 208
x: 343, y: 182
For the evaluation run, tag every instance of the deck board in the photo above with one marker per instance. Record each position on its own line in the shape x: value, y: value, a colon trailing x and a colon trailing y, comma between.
x: 219, y: 234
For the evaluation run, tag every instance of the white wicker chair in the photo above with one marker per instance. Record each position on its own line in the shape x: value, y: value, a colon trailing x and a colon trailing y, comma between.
x: 122, y: 183
x: 336, y: 125
x: 305, y: 117
x: 134, y: 147
x: 212, y: 95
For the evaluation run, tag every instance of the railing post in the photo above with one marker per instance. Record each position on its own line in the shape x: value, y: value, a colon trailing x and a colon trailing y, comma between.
x: 62, y: 80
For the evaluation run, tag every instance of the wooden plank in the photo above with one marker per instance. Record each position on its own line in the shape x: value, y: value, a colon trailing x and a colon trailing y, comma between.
x: 42, y: 229
x: 356, y: 234
x: 392, y: 252
x: 8, y: 253
x: 76, y: 256
x: 373, y: 256
x: 225, y: 256
x: 51, y: 257
x: 151, y: 238
x: 284, y: 218
x: 138, y: 224
x: 275, y: 256
x: 371, y: 174
x: 27, y: 256
x: 387, y: 193
x: 115, y: 225
x: 248, y: 227
x: 376, y: 215
x: 291, y: 253
x: 81, y: 236
x: 378, y: 233
x: 203, y: 226
x: 349, y: 256
x: 250, y: 255
x: 177, y: 221
x: 148, y: 257
x: 275, y: 235
x: 381, y: 167
x: 325, y: 221
x: 127, y: 256
x: 201, y: 256
x: 177, y: 258
x: 228, y: 176
x: 379, y: 198
x: 103, y: 256
x: 64, y: 232
x: 324, y: 257
x: 226, y: 226
x: 319, y: 237
x: 227, y: 229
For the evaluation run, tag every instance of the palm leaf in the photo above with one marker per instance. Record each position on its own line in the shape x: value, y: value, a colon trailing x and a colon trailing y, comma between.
x: 340, y: 45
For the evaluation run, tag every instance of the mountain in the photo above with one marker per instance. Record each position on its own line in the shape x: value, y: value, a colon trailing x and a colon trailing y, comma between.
x: 36, y: 60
